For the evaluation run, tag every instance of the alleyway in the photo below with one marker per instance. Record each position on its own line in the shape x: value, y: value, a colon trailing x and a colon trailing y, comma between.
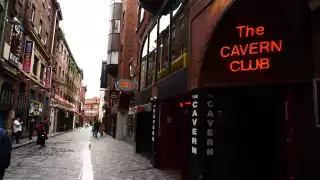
x: 77, y: 155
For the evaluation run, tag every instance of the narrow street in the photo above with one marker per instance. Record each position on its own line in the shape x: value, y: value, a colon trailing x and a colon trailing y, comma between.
x: 76, y: 155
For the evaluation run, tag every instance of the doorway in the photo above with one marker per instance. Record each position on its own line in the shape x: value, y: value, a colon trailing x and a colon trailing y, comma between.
x: 249, y: 133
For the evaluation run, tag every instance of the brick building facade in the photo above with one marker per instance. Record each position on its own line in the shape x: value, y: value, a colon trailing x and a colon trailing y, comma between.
x: 29, y: 31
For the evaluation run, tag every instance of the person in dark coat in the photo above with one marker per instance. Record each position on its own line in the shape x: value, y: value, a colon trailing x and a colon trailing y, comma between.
x: 5, y: 151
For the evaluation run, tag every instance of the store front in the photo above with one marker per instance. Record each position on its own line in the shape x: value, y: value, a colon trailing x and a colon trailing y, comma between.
x: 244, y: 121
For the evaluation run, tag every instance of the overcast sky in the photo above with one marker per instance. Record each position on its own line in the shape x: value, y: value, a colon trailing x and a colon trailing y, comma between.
x: 85, y: 24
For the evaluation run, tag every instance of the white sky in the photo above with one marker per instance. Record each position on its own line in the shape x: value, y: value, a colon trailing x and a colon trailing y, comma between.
x: 85, y: 24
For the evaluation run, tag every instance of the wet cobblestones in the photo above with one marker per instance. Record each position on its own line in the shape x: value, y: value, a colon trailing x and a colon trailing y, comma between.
x: 76, y: 155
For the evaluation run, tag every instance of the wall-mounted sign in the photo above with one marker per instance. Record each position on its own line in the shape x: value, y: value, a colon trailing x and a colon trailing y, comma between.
x: 29, y: 49
x: 48, y: 77
x: 248, y: 47
x: 126, y: 85
x: 253, y: 56
x: 14, y: 60
x: 114, y: 94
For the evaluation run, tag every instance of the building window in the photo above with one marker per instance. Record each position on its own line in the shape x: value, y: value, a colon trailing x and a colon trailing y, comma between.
x: 123, y: 17
x: 62, y: 75
x: 182, y: 48
x: 46, y: 38
x: 35, y: 66
x: 47, y: 101
x: 49, y: 11
x: 173, y: 31
x: 39, y: 97
x: 33, y: 13
x: 182, y: 23
x: 131, y: 69
x: 59, y: 71
x: 40, y: 27
x: 152, y: 55
x: 32, y: 94
x: 42, y: 73
x: 163, y: 36
x: 143, y: 70
x: 141, y: 14
x: 114, y: 26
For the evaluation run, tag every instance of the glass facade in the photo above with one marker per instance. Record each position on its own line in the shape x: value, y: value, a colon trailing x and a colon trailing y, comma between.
x: 114, y: 32
x: 164, y: 52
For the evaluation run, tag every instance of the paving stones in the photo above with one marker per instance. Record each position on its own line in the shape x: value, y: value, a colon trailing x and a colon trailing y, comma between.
x: 76, y: 155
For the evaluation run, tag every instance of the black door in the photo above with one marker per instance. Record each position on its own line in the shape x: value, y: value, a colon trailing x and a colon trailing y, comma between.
x: 250, y: 133
x: 144, y: 134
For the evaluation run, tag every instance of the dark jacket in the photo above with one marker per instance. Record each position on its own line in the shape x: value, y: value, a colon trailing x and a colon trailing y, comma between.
x: 5, y: 149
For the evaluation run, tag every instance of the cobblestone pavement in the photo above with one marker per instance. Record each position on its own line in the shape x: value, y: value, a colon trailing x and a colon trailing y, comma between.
x: 76, y: 155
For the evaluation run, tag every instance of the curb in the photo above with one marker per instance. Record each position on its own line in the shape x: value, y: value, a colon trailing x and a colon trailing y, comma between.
x: 30, y: 142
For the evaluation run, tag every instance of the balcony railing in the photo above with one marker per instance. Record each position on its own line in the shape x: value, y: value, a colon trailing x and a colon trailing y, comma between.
x: 176, y: 65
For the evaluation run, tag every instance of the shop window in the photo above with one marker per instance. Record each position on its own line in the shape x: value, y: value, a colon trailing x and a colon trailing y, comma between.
x: 35, y: 65
x: 152, y: 55
x: 143, y: 70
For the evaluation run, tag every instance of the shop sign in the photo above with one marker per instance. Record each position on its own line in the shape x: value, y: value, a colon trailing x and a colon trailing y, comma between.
x: 14, y: 60
x: 154, y: 106
x: 126, y: 85
x: 114, y: 94
x: 194, y: 119
x: 36, y: 108
x: 251, y: 56
x: 48, y: 77
x: 29, y: 49
x: 210, y: 125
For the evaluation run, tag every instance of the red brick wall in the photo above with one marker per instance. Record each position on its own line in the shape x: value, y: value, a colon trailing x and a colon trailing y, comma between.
x: 127, y: 36
x: 199, y: 37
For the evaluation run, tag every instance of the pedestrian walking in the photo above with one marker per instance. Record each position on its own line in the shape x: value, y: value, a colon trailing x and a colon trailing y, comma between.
x: 101, y: 128
x: 32, y: 126
x: 95, y: 128
x: 47, y: 125
x: 17, y: 128
x: 41, y: 134
x: 5, y: 151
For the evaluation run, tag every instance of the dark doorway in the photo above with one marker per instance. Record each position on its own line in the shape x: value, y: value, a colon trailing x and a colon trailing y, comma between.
x: 144, y: 134
x: 249, y: 134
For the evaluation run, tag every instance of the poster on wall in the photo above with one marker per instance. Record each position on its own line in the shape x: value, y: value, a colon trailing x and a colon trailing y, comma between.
x: 48, y: 77
x: 29, y: 48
